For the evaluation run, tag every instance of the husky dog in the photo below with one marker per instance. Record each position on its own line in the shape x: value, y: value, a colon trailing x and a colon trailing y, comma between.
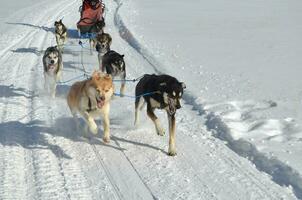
x: 115, y: 65
x: 161, y: 92
x: 103, y: 43
x: 97, y: 28
x: 91, y: 99
x: 53, y: 66
x: 61, y: 34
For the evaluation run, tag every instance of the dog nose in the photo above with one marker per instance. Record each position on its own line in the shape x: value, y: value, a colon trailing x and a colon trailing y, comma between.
x: 102, y: 98
x: 52, y: 61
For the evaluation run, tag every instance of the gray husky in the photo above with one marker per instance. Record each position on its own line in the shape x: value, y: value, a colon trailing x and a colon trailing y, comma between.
x: 60, y: 33
x: 53, y: 65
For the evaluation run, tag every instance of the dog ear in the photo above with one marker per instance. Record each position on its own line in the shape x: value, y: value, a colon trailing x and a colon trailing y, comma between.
x: 60, y: 21
x: 122, y: 56
x: 183, y: 85
x: 95, y: 75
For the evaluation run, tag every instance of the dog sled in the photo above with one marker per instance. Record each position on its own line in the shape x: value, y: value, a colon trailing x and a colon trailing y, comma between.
x: 91, y: 21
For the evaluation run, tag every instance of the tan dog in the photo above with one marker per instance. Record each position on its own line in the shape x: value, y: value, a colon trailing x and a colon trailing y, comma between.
x: 91, y: 98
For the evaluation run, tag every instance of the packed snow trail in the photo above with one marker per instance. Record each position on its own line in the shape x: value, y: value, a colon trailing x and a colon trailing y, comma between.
x: 43, y: 157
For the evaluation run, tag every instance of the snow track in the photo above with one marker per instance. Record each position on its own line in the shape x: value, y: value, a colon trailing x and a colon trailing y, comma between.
x: 43, y: 157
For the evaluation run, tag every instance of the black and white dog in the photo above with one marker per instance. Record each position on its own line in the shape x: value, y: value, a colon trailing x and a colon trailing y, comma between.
x: 53, y: 65
x: 160, y: 92
x: 103, y: 43
x: 60, y: 33
x: 111, y: 61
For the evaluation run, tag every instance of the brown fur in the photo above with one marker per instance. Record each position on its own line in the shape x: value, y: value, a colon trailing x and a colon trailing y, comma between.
x: 91, y: 98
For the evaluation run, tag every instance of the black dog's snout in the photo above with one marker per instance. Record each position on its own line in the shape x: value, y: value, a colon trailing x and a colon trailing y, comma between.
x: 178, y: 106
x: 52, y: 61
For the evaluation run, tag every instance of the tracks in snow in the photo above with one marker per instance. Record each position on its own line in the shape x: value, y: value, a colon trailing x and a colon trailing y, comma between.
x: 60, y: 164
x: 214, y: 123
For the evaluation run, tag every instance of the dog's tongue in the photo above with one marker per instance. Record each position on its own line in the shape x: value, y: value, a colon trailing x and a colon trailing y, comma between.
x: 100, y: 103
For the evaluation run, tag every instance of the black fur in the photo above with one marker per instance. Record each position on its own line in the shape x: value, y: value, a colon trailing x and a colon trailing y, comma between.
x: 160, y: 84
x: 161, y: 92
x: 64, y: 29
x: 113, y: 58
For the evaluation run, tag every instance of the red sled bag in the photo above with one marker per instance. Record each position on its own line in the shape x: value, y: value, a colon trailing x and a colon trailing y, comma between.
x: 91, y: 16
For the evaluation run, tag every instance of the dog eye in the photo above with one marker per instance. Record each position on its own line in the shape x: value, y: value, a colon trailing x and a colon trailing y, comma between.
x: 106, y: 90
x: 98, y: 90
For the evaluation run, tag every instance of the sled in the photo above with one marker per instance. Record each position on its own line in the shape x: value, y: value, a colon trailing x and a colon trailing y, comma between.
x: 91, y: 21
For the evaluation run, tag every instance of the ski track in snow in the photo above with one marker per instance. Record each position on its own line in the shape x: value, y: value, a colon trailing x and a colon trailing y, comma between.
x: 281, y: 173
x: 43, y: 157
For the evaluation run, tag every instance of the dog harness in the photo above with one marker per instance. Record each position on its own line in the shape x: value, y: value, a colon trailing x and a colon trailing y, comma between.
x: 90, y: 106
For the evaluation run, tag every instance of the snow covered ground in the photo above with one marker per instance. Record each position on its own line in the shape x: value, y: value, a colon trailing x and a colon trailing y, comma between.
x: 238, y: 133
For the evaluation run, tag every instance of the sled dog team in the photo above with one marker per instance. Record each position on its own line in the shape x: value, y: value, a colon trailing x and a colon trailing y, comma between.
x: 91, y: 98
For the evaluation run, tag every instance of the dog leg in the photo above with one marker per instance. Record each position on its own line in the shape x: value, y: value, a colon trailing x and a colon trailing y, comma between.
x: 46, y: 83
x: 75, y: 119
x: 91, y: 45
x: 159, y: 129
x: 106, y: 124
x: 101, y: 66
x: 53, y: 86
x: 90, y: 123
x: 58, y: 40
x: 172, y: 149
x: 138, y: 104
x: 123, y: 83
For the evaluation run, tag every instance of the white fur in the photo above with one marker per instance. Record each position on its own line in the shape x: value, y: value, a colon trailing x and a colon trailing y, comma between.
x: 50, y: 83
x: 154, y: 103
x: 137, y: 109
x: 159, y: 129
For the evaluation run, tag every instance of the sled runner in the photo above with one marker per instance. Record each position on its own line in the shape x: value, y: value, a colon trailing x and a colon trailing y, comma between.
x: 92, y: 20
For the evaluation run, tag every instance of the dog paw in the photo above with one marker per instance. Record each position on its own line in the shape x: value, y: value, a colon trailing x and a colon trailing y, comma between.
x: 172, y: 153
x: 172, y: 150
x: 93, y: 128
x: 160, y: 131
x: 106, y: 139
x: 122, y: 92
